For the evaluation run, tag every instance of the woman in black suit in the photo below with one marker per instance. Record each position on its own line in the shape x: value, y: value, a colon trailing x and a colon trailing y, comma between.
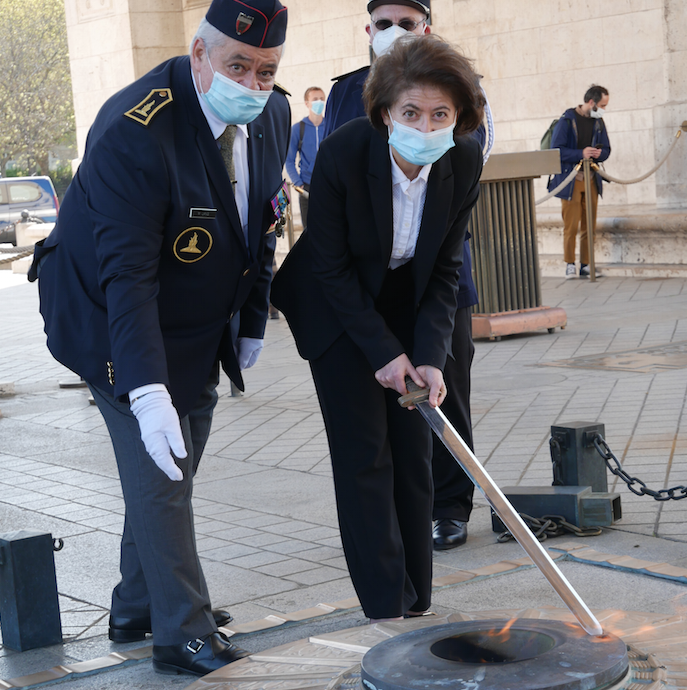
x: 369, y: 292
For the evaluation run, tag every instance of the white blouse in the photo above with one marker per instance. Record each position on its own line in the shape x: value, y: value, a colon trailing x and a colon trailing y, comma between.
x: 408, y: 205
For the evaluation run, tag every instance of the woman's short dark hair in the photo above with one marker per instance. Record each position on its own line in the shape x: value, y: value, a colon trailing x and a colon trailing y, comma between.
x: 424, y: 61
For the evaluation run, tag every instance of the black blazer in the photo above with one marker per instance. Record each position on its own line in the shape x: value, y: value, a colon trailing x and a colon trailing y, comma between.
x: 330, y: 280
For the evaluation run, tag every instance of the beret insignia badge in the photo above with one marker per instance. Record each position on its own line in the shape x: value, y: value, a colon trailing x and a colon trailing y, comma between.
x: 243, y: 23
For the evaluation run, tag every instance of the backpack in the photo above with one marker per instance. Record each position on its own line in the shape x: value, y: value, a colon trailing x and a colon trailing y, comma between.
x: 548, y: 136
x: 302, y: 134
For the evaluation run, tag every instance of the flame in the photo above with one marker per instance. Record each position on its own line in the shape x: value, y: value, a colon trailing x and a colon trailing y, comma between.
x: 503, y: 635
x: 603, y: 639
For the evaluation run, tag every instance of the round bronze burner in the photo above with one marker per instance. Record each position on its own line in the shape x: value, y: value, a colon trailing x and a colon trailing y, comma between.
x: 492, y: 655
x: 480, y: 647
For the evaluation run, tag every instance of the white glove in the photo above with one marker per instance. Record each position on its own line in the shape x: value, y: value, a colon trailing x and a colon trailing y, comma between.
x: 160, y: 430
x: 247, y: 351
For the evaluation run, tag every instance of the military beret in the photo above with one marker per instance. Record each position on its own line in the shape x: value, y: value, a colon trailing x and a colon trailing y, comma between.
x: 260, y: 23
x: 415, y: 4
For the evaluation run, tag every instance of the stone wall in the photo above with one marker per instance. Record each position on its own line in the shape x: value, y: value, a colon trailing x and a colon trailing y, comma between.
x: 113, y: 42
x: 537, y: 58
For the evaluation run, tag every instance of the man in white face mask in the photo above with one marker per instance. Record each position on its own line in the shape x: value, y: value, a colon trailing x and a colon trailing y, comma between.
x: 388, y: 21
x: 453, y: 490
x: 580, y: 133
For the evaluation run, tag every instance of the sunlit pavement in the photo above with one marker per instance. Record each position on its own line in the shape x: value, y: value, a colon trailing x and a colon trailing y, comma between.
x: 266, y: 521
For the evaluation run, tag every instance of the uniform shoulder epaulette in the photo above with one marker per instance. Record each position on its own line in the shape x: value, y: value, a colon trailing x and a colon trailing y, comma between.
x: 150, y: 106
x: 281, y: 89
x: 350, y: 74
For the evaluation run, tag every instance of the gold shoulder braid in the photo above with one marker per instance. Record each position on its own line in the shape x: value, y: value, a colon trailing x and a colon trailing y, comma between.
x: 150, y: 106
x: 281, y: 89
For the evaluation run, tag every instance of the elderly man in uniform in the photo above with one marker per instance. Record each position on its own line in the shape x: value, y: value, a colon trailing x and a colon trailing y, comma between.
x: 159, y: 270
x: 453, y: 490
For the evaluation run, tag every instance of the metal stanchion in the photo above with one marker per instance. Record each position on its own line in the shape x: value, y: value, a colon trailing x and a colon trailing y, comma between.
x: 587, y: 171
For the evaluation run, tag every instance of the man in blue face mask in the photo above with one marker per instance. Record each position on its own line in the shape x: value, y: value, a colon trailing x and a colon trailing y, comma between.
x: 305, y: 142
x: 157, y: 273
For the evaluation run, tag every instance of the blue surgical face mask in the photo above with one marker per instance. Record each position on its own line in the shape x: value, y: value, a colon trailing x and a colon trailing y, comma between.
x: 421, y: 148
x: 232, y: 102
x: 317, y: 107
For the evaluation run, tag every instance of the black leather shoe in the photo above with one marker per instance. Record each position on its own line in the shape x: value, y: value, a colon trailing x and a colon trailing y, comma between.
x: 135, y: 629
x: 447, y: 534
x: 197, y: 657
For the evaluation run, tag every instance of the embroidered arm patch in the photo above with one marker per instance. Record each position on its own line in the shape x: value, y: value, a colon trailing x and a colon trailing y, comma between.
x: 150, y: 106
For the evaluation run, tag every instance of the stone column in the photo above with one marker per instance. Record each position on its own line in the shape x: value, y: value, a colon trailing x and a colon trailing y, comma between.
x: 112, y: 43
x: 671, y: 179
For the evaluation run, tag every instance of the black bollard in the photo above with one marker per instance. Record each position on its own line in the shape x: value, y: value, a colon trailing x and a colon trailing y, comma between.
x: 579, y: 492
x: 29, y: 607
x: 576, y: 462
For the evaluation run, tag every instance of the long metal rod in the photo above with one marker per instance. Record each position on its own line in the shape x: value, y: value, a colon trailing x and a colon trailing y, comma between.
x: 589, y: 210
x: 509, y: 516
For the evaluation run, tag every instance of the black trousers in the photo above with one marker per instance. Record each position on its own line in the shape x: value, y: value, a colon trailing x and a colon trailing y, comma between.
x: 382, y: 475
x: 453, y: 489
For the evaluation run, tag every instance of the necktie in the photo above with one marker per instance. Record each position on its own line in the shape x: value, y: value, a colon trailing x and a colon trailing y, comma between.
x: 226, y: 141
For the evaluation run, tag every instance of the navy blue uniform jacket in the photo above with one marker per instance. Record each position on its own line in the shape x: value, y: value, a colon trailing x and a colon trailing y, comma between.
x: 331, y: 278
x: 148, y: 264
x: 345, y: 102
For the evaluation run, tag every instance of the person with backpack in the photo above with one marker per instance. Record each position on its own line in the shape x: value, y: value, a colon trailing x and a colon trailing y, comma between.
x: 580, y: 133
x: 304, y: 144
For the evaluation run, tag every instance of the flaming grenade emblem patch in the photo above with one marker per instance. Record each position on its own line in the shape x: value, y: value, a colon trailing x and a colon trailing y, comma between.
x: 243, y: 23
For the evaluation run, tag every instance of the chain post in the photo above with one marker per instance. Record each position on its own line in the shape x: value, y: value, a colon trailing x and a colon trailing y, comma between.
x: 575, y: 462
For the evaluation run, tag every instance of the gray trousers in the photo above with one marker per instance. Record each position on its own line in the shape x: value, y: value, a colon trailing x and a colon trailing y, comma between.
x: 161, y: 572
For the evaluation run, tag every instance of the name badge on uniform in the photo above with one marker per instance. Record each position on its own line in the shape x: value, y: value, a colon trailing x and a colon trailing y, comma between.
x: 202, y: 213
x: 280, y: 204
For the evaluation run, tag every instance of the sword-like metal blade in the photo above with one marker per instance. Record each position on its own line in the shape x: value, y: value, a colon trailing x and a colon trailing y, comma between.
x: 509, y: 516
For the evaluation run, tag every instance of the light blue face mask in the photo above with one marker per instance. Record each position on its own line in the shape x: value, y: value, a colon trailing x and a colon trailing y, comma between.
x: 421, y: 148
x: 317, y: 107
x: 232, y: 102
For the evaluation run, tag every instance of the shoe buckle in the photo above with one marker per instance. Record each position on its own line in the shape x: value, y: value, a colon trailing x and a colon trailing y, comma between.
x: 194, y: 646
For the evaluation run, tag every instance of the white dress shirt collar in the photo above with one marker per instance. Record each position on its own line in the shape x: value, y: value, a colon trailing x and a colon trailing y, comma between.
x: 242, y: 186
x: 399, y: 177
x: 408, y: 203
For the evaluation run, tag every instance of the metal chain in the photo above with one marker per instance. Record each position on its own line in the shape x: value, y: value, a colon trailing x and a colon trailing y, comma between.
x: 613, y: 464
x: 550, y: 526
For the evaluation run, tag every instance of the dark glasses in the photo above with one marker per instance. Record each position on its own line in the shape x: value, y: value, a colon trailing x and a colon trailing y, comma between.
x: 405, y: 24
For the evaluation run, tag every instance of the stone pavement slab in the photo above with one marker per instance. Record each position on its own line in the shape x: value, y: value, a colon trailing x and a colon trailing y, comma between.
x: 264, y: 503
